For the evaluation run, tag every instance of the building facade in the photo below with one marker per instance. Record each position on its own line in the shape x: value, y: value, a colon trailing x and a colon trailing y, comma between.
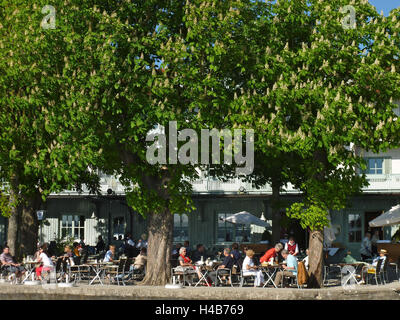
x: 70, y: 214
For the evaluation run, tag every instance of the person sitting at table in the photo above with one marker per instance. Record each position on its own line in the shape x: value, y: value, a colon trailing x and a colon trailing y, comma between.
x: 46, y: 263
x: 271, y: 253
x: 305, y: 260
x: 235, y: 253
x: 382, y: 257
x: 7, y: 260
x: 237, y: 257
x: 37, y: 253
x: 290, y: 269
x: 140, y: 260
x: 292, y: 246
x: 100, y: 246
x: 142, y: 242
x: 109, y: 257
x: 226, y: 264
x: 200, y: 252
x: 65, y: 260
x: 76, y: 249
x: 139, y: 264
x: 185, y: 261
x: 249, y: 268
x: 349, y: 259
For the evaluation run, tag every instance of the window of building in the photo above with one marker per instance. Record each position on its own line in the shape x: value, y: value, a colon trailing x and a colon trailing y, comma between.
x: 230, y: 232
x: 355, y: 227
x: 181, y: 227
x: 72, y: 226
x: 374, y: 166
x: 118, y: 228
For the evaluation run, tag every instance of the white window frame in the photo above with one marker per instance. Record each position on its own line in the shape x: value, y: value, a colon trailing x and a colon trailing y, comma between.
x: 237, y: 230
x: 80, y: 228
x: 183, y: 219
x: 375, y: 168
x: 355, y: 228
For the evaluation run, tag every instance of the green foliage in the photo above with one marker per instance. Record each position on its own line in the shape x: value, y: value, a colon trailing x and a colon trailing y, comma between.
x: 312, y: 89
x: 44, y: 140
x: 6, y: 206
x: 312, y: 216
x: 62, y: 242
x: 86, y: 93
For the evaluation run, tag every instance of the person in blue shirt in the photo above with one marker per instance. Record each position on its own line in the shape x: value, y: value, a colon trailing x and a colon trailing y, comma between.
x: 235, y: 254
x: 110, y: 254
x: 290, y: 269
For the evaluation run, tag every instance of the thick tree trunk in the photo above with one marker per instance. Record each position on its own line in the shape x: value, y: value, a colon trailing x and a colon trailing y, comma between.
x: 13, y: 227
x: 160, y: 228
x: 29, y: 224
x: 316, y: 259
x: 276, y: 214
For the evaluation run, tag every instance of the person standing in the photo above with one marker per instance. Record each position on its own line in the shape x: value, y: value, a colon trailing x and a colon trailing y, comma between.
x: 366, y: 247
x: 292, y: 246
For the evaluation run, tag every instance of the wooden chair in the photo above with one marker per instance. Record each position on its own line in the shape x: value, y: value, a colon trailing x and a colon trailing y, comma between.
x: 224, y: 275
x: 183, y: 275
x: 376, y: 272
x: 126, y: 273
x: 115, y: 271
x: 244, y: 278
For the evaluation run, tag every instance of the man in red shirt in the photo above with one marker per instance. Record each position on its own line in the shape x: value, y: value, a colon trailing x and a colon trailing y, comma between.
x: 271, y: 253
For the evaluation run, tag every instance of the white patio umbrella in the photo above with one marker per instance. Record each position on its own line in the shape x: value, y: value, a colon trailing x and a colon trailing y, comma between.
x: 246, y: 218
x: 387, y: 218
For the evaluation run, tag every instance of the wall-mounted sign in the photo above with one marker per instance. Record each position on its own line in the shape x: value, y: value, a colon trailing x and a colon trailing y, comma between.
x: 40, y: 214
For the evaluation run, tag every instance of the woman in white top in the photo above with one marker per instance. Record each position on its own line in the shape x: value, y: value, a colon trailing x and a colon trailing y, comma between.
x: 305, y: 260
x: 46, y: 265
x: 250, y: 269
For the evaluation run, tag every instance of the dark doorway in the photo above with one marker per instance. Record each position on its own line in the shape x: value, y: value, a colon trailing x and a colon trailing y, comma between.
x: 292, y: 227
x: 371, y: 216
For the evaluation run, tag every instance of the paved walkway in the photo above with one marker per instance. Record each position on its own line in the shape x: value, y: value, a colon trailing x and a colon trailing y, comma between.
x: 83, y: 292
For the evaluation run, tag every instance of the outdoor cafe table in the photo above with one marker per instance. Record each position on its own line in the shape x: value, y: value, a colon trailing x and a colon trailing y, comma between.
x: 204, y: 273
x: 98, y: 268
x: 270, y: 271
x: 30, y: 267
x: 352, y: 271
x: 205, y: 270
